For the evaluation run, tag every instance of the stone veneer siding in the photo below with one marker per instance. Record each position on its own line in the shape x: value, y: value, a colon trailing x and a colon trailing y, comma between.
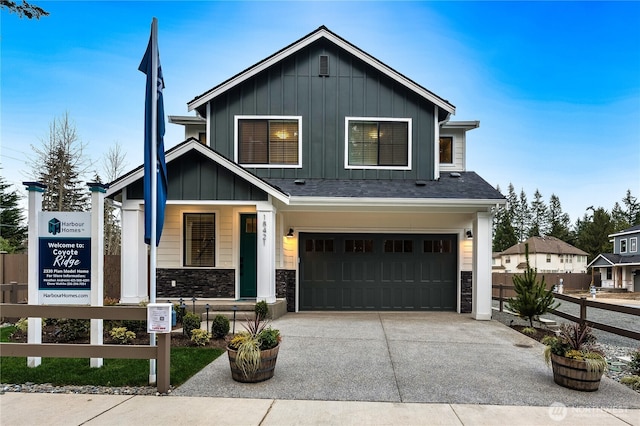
x: 198, y: 283
x: 466, y: 291
x: 286, y: 287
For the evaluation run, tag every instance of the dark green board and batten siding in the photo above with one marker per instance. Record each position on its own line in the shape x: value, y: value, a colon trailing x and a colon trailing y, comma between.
x: 195, y: 177
x: 357, y: 272
x: 293, y: 87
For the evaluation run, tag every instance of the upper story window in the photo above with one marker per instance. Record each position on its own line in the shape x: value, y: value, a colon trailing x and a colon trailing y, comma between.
x: 633, y: 244
x: 199, y: 239
x: 446, y: 149
x: 378, y: 143
x: 548, y: 258
x: 270, y: 141
x: 623, y: 245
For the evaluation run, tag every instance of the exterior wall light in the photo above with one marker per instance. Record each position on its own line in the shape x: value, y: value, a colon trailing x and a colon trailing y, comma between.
x: 290, y: 233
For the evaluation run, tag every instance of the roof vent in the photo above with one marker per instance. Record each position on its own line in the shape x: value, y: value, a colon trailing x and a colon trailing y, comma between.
x: 299, y: 181
x: 421, y: 182
x: 454, y: 174
x: 324, y: 66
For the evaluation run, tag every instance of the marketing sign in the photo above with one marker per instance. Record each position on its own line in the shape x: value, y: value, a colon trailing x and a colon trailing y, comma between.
x: 65, y: 258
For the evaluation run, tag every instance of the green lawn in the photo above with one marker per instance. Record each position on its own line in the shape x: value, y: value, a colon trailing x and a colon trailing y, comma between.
x: 185, y: 362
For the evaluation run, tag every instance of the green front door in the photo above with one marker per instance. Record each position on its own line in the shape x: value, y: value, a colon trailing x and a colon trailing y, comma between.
x: 248, y: 255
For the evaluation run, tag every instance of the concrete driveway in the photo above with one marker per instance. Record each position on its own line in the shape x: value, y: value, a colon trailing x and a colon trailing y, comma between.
x: 430, y: 357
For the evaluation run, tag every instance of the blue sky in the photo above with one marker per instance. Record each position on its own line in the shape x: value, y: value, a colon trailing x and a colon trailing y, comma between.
x: 555, y: 85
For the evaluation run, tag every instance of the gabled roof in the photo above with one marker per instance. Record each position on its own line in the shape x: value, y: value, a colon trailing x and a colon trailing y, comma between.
x: 631, y: 230
x: 611, y: 259
x: 321, y: 32
x: 545, y: 244
x: 193, y: 144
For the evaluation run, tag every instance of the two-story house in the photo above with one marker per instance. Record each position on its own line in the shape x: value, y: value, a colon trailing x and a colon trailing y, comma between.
x: 621, y: 269
x: 321, y: 176
x: 546, y: 254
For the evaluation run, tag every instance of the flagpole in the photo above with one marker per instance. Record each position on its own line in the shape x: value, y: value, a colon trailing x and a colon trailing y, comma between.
x: 154, y: 183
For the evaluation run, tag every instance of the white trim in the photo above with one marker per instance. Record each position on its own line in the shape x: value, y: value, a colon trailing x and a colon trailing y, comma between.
x: 292, y: 49
x: 208, y: 129
x: 217, y: 158
x: 618, y: 234
x: 436, y: 144
x: 633, y: 245
x: 237, y: 118
x: 626, y: 249
x: 409, y: 122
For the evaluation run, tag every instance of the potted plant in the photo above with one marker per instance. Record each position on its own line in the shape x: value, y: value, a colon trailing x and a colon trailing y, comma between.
x: 576, y: 360
x: 253, y: 352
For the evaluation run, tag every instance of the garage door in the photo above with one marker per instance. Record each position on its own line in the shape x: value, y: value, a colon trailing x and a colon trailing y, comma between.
x: 378, y: 272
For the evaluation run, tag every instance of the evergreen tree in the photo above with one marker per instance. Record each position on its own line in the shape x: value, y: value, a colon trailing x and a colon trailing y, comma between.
x: 58, y: 163
x: 521, y: 217
x: 12, y: 229
x: 628, y: 216
x: 532, y: 297
x: 539, y: 216
x: 504, y: 236
x: 25, y: 9
x: 559, y: 222
x: 592, y: 232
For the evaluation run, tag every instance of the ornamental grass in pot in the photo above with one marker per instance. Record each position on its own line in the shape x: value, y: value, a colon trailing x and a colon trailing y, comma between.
x: 253, y: 352
x: 577, y: 362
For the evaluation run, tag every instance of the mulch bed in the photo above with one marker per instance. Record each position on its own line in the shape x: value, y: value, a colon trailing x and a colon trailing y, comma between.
x: 539, y: 334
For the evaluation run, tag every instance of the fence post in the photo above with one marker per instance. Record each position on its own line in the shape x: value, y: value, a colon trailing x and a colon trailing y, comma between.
x: 583, y: 309
x: 13, y: 293
x: 500, y: 294
x: 164, y: 357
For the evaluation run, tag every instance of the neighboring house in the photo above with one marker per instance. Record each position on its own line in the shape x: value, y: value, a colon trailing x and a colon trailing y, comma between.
x: 324, y: 177
x: 546, y: 254
x: 496, y: 262
x: 621, y: 269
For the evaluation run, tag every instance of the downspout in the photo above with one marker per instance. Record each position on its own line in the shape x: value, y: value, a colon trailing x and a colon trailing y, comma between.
x: 436, y: 145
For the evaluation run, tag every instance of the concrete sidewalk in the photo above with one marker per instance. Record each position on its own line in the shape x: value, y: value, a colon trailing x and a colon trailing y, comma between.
x: 72, y: 409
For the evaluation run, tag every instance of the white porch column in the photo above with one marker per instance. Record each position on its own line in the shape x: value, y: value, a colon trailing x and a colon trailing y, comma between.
x: 97, y: 264
x: 481, y: 304
x: 34, y: 333
x: 133, y: 274
x: 266, y: 262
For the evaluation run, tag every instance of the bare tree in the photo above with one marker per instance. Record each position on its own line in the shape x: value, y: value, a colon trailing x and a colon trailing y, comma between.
x: 113, y: 164
x: 59, y: 162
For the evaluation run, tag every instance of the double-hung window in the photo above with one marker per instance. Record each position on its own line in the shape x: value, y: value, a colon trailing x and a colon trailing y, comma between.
x: 446, y: 149
x: 268, y: 141
x: 378, y: 143
x: 199, y: 239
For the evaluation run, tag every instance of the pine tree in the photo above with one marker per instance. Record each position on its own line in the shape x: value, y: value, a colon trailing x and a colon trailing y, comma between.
x: 628, y: 216
x: 592, y: 232
x: 12, y: 229
x: 559, y: 222
x: 539, y: 216
x: 521, y: 217
x: 532, y: 297
x: 58, y: 163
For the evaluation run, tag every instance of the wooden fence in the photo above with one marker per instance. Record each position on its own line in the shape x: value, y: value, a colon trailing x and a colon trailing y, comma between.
x: 161, y: 352
x: 14, y: 269
x: 570, y: 282
x: 584, y: 304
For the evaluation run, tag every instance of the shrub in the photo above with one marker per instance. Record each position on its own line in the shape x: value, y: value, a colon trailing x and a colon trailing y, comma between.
x: 532, y: 297
x: 22, y: 325
x: 634, y: 365
x: 200, y: 337
x: 122, y: 335
x: 633, y: 381
x: 190, y: 322
x: 110, y: 301
x: 137, y: 326
x: 262, y: 310
x: 529, y: 331
x: 576, y: 341
x: 220, y: 326
x: 72, y: 329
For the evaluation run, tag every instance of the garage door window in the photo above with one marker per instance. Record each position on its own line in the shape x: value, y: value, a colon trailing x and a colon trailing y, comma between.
x: 438, y: 246
x: 398, y: 246
x: 358, y: 246
x: 319, y: 246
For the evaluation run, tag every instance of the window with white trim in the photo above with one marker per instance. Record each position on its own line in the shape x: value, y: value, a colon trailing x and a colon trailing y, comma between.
x: 199, y: 239
x: 623, y: 245
x: 633, y: 245
x: 268, y: 141
x: 378, y: 143
x: 446, y: 149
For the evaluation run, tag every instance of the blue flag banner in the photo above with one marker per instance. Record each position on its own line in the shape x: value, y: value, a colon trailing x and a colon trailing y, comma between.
x: 146, y: 66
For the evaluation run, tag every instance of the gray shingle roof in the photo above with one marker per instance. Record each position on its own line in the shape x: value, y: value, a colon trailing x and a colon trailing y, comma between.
x: 468, y: 186
x: 544, y: 244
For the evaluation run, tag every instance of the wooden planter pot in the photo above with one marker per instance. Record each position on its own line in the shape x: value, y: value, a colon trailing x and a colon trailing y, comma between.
x: 265, y: 371
x: 573, y: 374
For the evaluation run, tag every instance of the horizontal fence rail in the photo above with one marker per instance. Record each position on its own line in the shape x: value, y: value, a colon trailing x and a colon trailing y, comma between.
x: 161, y: 352
x: 9, y: 293
x: 584, y: 303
